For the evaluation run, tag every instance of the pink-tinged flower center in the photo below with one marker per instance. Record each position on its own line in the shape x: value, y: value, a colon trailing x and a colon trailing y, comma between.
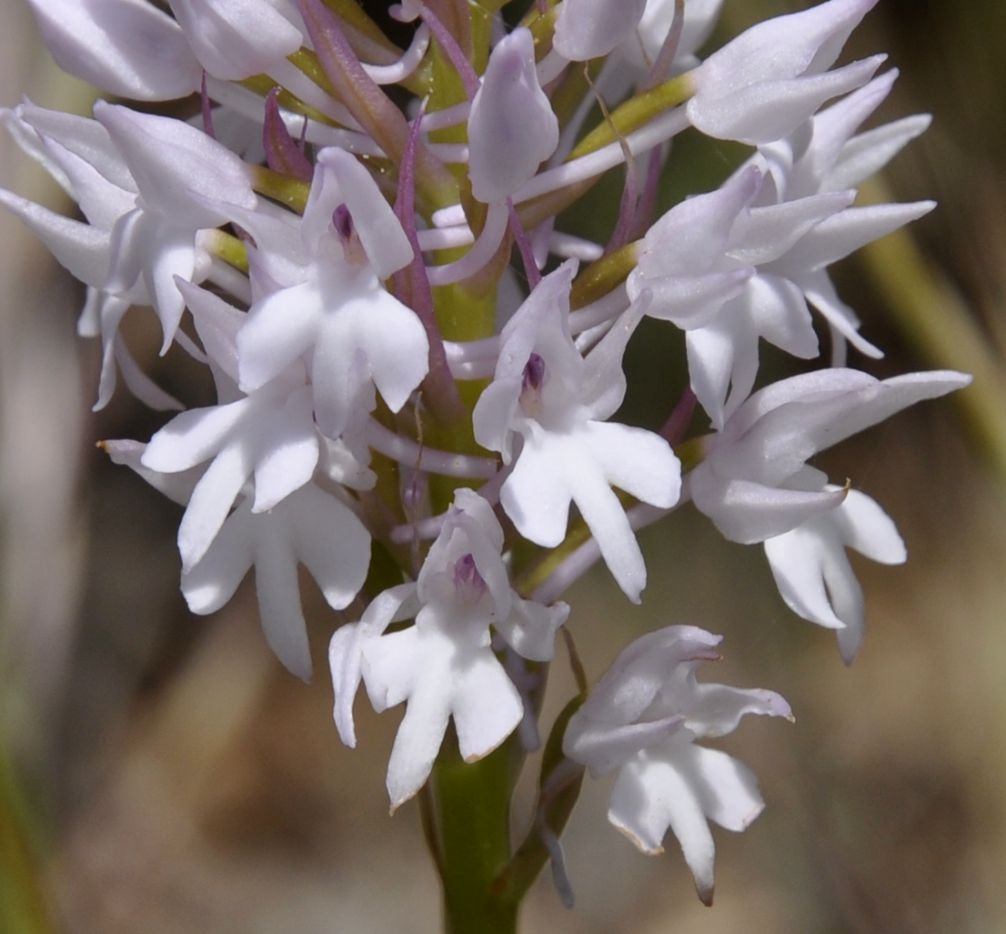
x: 468, y: 583
x: 345, y: 230
x: 532, y: 381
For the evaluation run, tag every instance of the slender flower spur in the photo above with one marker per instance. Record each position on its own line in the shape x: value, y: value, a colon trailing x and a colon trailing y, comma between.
x: 415, y: 361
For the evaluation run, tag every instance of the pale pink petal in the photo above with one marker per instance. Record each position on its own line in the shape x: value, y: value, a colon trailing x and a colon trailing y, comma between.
x: 693, y: 301
x: 398, y: 366
x: 486, y: 705
x: 176, y: 487
x: 587, y: 29
x: 747, y: 512
x: 211, y: 501
x: 780, y: 315
x: 536, y: 496
x: 194, y: 436
x: 865, y: 527
x: 494, y: 414
x: 80, y: 248
x: 332, y: 543
x: 637, y: 461
x: 137, y: 382
x: 279, y: 595
x: 101, y: 201
x: 530, y: 628
x: 211, y: 583
x: 605, y: 517
x: 866, y: 154
x: 178, y: 168
x: 717, y: 709
x: 605, y: 747
x: 786, y: 46
x: 796, y: 562
x: 236, y: 39
x: 289, y: 449
x: 820, y: 292
x: 511, y: 127
x: 417, y: 741
x: 380, y: 231
x: 837, y: 237
x: 279, y: 329
x: 766, y: 233
x: 84, y: 137
x: 344, y: 653
x: 393, y: 665
x: 171, y: 257
x: 726, y: 788
x: 769, y: 110
x: 217, y: 324
x: 127, y: 47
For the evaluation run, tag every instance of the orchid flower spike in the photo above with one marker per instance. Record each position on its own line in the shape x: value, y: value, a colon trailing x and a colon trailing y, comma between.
x: 364, y: 250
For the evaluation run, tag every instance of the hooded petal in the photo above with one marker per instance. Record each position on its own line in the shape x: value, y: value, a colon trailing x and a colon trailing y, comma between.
x: 748, y: 512
x: 235, y: 39
x: 80, y: 248
x: 178, y: 168
x: 380, y: 231
x: 127, y: 47
x: 511, y: 126
x: 838, y: 236
x: 690, y: 237
x: 783, y: 47
x: 587, y: 29
x: 769, y: 110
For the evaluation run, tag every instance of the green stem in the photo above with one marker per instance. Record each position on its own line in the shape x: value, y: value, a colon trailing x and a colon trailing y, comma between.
x: 473, y: 802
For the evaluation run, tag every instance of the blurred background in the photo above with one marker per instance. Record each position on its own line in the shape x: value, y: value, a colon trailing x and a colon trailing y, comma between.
x: 162, y: 773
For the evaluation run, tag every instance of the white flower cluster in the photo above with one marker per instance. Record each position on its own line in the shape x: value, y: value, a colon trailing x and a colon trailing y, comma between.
x: 383, y: 382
